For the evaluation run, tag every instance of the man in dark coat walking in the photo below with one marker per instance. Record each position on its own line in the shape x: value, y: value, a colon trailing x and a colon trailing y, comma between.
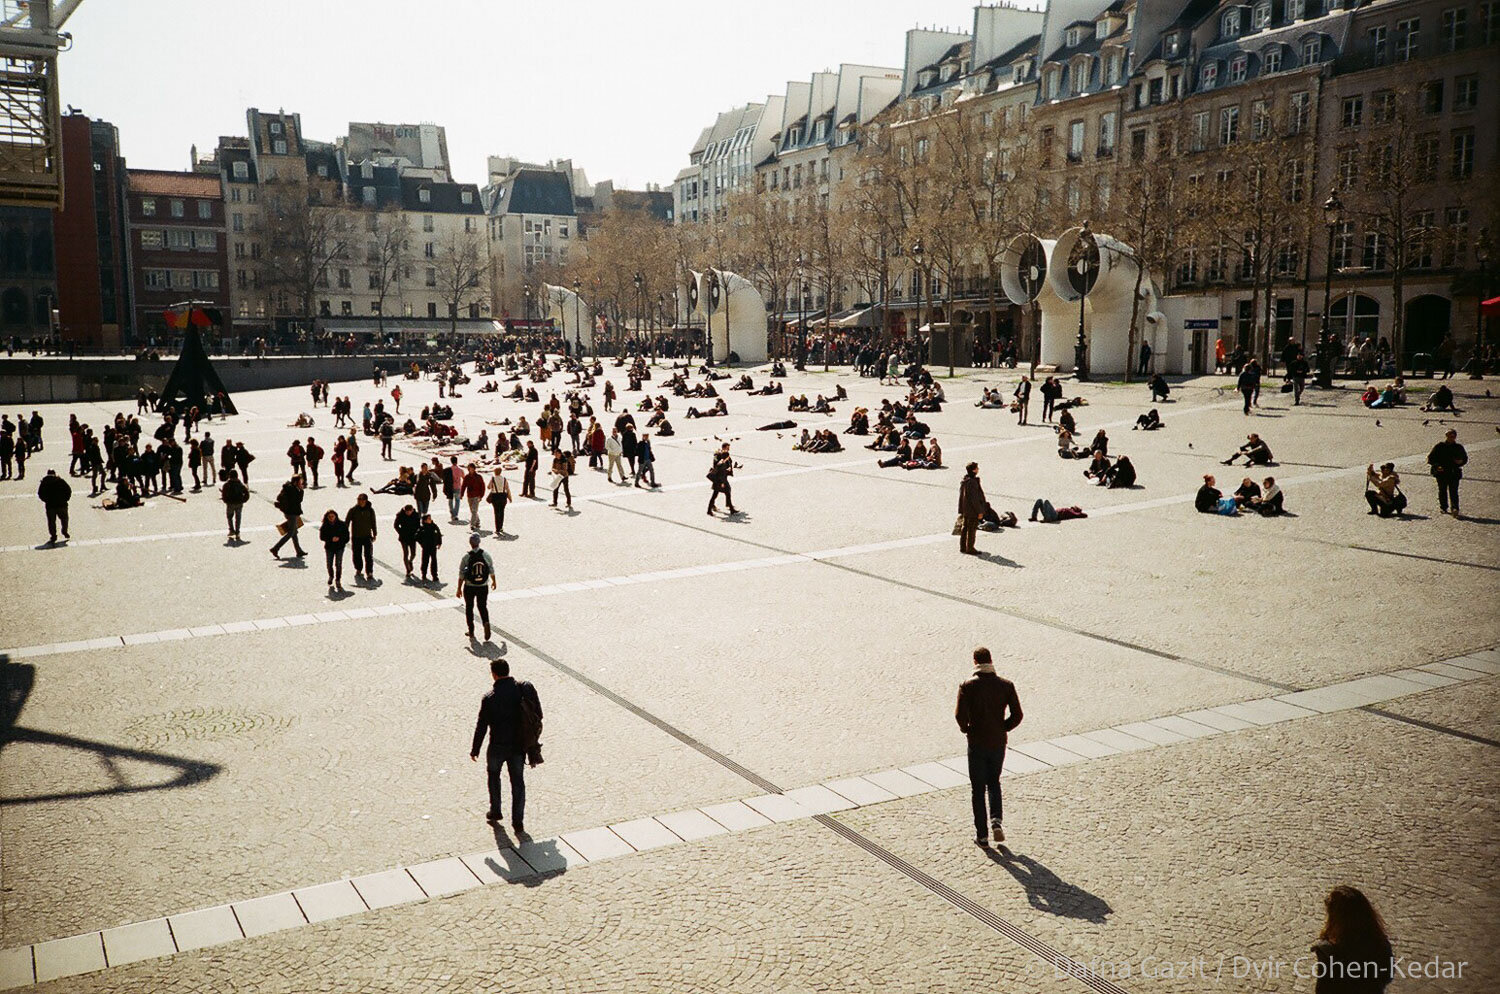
x: 971, y: 504
x: 988, y: 711
x: 503, y: 713
x: 54, y: 493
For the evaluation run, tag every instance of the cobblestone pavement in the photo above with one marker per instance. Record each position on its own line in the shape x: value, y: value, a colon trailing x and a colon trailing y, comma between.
x: 140, y: 780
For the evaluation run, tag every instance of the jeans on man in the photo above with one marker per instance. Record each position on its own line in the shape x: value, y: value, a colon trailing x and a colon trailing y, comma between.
x: 984, y: 777
x: 455, y: 501
x: 1447, y: 491
x: 477, y: 595
x: 58, y: 514
x: 291, y: 536
x: 364, y: 555
x: 232, y: 514
x: 517, y: 768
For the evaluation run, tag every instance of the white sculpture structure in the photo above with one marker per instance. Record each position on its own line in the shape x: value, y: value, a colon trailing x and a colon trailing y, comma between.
x: 734, y: 313
x: 1103, y: 276
x: 572, y: 313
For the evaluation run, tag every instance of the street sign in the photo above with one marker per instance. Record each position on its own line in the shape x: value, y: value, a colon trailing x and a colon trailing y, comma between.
x: 1201, y: 324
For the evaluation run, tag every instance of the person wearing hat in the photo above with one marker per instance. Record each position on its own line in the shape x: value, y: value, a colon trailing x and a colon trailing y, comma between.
x: 988, y: 711
x: 476, y: 570
x: 1447, y: 460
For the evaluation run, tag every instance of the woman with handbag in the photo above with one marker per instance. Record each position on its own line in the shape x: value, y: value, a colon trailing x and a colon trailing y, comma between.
x: 499, y: 496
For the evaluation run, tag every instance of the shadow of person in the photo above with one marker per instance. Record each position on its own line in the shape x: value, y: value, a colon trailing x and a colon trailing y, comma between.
x: 487, y: 650
x: 998, y: 560
x: 1048, y: 892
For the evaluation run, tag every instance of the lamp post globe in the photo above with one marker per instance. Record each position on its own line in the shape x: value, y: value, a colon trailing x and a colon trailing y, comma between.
x: 1333, y: 213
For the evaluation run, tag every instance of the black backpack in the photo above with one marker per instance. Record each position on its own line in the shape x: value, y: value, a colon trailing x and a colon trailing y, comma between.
x: 476, y: 569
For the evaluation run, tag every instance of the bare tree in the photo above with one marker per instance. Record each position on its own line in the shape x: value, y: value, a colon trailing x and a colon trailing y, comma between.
x: 304, y: 241
x: 461, y: 264
x: 387, y: 256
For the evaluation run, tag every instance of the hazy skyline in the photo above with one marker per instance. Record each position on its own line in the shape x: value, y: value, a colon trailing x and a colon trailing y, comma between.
x: 623, y: 96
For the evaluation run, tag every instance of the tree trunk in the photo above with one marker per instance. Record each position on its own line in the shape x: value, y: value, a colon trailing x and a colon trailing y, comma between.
x: 1135, y: 321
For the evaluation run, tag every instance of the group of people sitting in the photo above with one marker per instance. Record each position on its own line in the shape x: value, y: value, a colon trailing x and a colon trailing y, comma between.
x: 769, y: 390
x: 1265, y: 498
x: 1067, y: 450
x: 922, y: 455
x: 859, y: 422
x: 822, y: 440
x: 1115, y: 475
x: 820, y: 406
x: 1392, y: 395
x: 719, y: 410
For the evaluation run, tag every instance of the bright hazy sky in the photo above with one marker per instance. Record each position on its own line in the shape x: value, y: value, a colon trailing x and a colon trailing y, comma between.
x: 621, y: 88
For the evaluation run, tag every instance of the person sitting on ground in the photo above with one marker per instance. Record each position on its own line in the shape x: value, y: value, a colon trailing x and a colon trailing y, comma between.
x: 821, y: 406
x: 515, y: 394
x: 1098, y: 468
x: 990, y: 400
x: 1255, y: 451
x: 532, y: 397
x: 839, y: 393
x: 1121, y: 475
x: 1150, y: 421
x: 522, y: 428
x: 916, y: 429
x: 1389, y: 397
x: 932, y: 459
x: 717, y: 411
x: 886, y: 440
x: 859, y: 422
x: 1100, y: 442
x: 744, y: 383
x: 1159, y: 388
x: 657, y: 418
x: 902, y: 457
x: 1383, y: 490
x: 1369, y: 397
x: 1247, y: 492
x: 1271, y: 500
x: 664, y: 429
x: 1210, y: 500
x: 490, y: 387
x: 770, y: 389
x: 796, y: 403
x: 303, y: 421
x: 1066, y: 423
x: 401, y: 484
x: 992, y: 521
x: 1052, y: 515
x: 1441, y: 400
x: 778, y: 368
x: 125, y: 495
x: 1065, y: 447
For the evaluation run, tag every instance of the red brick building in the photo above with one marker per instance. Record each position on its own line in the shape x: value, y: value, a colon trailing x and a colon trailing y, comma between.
x: 89, y: 236
x: 178, y: 248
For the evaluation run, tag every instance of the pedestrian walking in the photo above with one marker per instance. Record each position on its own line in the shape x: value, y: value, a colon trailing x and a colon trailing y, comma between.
x: 424, y: 487
x: 719, y: 474
x: 476, y: 578
x: 54, y: 492
x: 971, y: 505
x: 340, y: 451
x: 474, y: 490
x: 453, y: 487
x: 406, y: 524
x: 289, y: 503
x: 234, y: 494
x: 387, y: 437
x: 1023, y: 399
x: 1248, y: 384
x: 243, y: 459
x: 645, y: 462
x: 210, y: 472
x: 561, y: 465
x: 612, y: 455
x: 362, y: 532
x: 499, y: 496
x: 313, y: 453
x: 335, y: 535
x: 988, y: 711
x: 430, y: 539
x: 1446, y: 461
x: 351, y: 457
x: 528, y: 477
x: 511, y: 714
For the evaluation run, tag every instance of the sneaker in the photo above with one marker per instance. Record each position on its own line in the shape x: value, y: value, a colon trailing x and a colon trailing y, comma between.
x: 980, y: 840
x: 996, y: 830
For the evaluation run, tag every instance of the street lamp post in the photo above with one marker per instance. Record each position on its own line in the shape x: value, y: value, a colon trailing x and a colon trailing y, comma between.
x: 1482, y: 254
x: 577, y: 325
x: 1080, y: 347
x: 661, y: 311
x: 1333, y: 212
x: 526, y: 312
x: 676, y: 310
x: 638, y: 281
x: 916, y: 255
x: 801, y: 362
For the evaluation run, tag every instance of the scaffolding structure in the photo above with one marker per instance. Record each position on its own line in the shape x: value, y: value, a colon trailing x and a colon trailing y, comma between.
x: 30, y: 113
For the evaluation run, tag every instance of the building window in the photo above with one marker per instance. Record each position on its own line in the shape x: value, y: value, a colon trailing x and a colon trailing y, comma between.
x: 1072, y: 196
x: 1408, y: 34
x: 1229, y: 125
x: 1138, y: 145
x: 205, y: 241
x: 234, y: 195
x: 1209, y: 76
x: 237, y: 221
x: 431, y: 276
x: 151, y: 239
x: 346, y: 308
x: 1432, y: 96
x: 1261, y: 17
x: 344, y: 281
x: 1462, y: 162
x: 1456, y: 227
x: 1383, y: 107
x: 424, y: 195
x: 275, y: 127
x: 1455, y: 25
x: 466, y: 197
x: 1377, y: 45
x: 1348, y: 167
x: 367, y: 194
x: 429, y: 251
x: 1200, y: 132
x: 431, y: 309
x: 1296, y: 9
x: 1075, y: 141
x: 279, y: 146
x: 1423, y: 224
x: 1354, y: 111
x: 1296, y: 181
x: 1229, y: 24
x: 1466, y: 93
x: 1270, y: 60
x: 1260, y: 120
x: 177, y: 238
x: 158, y: 279
x: 1239, y: 67
x: 426, y: 222
x: 1427, y: 157
x: 1489, y: 23
x: 1343, y: 244
x: 205, y: 209
x: 1301, y: 110
x: 1107, y: 134
x: 240, y: 170
x: 1373, y: 256
x: 1312, y: 49
x: 148, y: 206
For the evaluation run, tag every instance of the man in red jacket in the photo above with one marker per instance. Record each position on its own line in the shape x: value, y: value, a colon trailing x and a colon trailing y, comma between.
x: 988, y: 710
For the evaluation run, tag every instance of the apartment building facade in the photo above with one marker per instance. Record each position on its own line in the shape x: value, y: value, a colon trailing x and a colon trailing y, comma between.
x: 176, y: 243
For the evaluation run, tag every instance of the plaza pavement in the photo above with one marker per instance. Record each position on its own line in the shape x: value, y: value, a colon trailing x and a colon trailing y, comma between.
x: 196, y: 725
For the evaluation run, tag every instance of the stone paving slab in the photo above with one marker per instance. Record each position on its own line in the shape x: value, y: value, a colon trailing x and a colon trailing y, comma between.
x: 139, y: 940
x: 328, y: 901
x: 691, y: 825
x: 645, y: 833
x: 550, y: 855
x: 441, y: 877
x: 860, y: 790
x: 67, y: 957
x: 500, y: 866
x: 598, y: 843
x: 272, y: 913
x: 388, y: 887
x: 16, y: 968
x: 736, y: 816
x: 205, y: 927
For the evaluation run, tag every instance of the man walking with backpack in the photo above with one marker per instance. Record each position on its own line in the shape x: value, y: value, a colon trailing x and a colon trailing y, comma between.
x: 476, y: 570
x: 988, y: 710
x: 512, y: 715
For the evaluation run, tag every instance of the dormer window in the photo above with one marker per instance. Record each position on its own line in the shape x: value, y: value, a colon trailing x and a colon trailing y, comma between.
x: 424, y: 195
x: 367, y: 170
x: 275, y: 127
x: 1261, y: 16
x: 1229, y: 24
x: 466, y: 197
x: 1296, y: 9
x: 241, y: 170
x: 1209, y: 76
x: 947, y: 74
x: 322, y: 171
x: 1238, y: 68
x: 1270, y: 60
x: 1312, y: 49
x: 1075, y: 35
x: 1171, y: 46
x: 279, y: 146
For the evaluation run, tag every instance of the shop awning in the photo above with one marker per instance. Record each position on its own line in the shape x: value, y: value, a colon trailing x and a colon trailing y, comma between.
x: 1490, y: 308
x: 858, y: 317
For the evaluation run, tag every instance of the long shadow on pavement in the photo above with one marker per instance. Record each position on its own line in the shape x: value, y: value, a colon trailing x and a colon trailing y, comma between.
x: 1048, y: 892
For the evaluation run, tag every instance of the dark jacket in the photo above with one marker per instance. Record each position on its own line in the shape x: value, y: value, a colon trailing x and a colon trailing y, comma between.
x: 500, y: 716
x: 1447, y: 459
x: 407, y: 525
x: 971, y: 497
x: 429, y: 535
x: 334, y: 532
x: 361, y: 521
x: 1350, y: 971
x: 1207, y: 499
x: 54, y: 491
x: 234, y: 492
x: 988, y: 709
x: 289, y: 501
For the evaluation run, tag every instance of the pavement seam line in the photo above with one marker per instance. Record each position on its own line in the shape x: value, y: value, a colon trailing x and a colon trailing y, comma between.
x: 1037, y: 946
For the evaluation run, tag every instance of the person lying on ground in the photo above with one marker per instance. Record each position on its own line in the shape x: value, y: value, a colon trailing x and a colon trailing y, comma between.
x: 1052, y: 515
